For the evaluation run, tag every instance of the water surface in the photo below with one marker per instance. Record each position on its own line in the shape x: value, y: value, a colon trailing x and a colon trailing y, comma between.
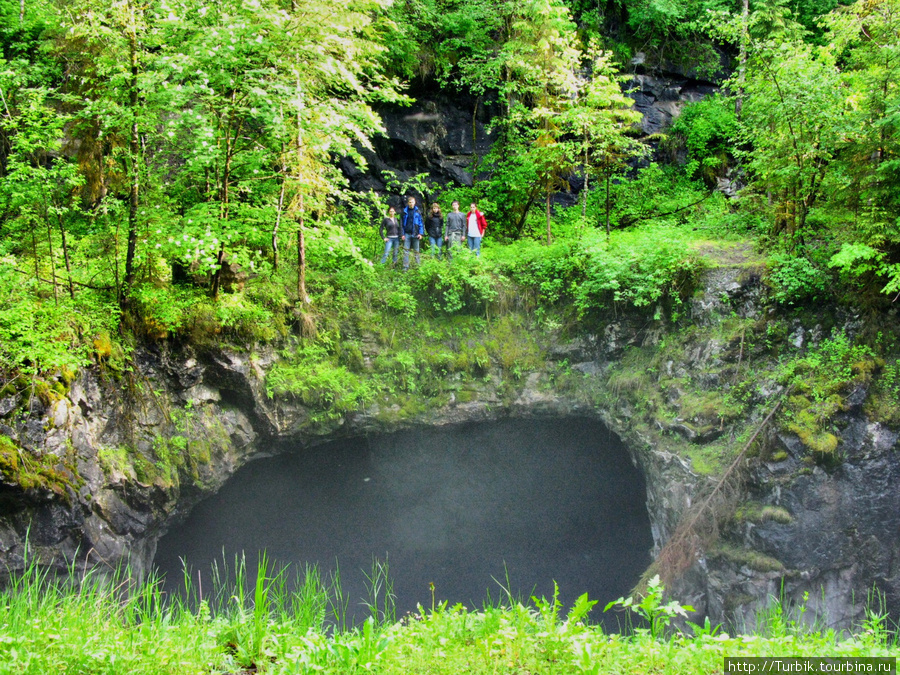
x: 465, y: 508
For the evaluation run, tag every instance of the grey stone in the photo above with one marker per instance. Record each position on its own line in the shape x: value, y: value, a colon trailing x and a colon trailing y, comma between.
x: 7, y: 405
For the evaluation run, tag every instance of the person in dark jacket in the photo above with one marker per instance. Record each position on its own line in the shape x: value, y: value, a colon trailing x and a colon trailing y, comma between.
x: 456, y: 228
x: 391, y: 232
x: 413, y: 229
x: 476, y: 225
x: 434, y: 226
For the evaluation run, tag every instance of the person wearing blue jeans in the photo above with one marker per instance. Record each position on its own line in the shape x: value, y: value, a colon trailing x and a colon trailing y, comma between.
x: 475, y: 227
x: 434, y: 226
x: 390, y: 231
x: 413, y: 229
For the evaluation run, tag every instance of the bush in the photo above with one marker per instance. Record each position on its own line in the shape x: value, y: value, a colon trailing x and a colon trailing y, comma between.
x: 40, y: 333
x: 314, y: 378
x: 705, y: 130
x: 465, y: 284
x: 636, y: 267
x: 795, y: 280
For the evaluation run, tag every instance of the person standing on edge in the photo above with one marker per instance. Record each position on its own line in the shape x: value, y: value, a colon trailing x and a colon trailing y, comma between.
x: 413, y: 229
x: 434, y: 226
x: 475, y: 228
x: 391, y: 233
x: 456, y: 228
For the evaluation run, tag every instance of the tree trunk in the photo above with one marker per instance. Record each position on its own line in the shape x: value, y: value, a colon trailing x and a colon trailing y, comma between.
x: 52, y: 263
x: 742, y: 58
x: 608, y: 177
x: 278, y: 222
x: 301, y: 259
x: 584, y: 190
x: 549, y: 237
x: 301, y: 242
x: 34, y: 252
x: 134, y: 150
x: 217, y: 277
x: 475, y: 136
x: 65, y: 247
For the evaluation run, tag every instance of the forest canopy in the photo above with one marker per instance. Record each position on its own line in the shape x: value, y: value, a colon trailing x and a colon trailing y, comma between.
x: 150, y: 153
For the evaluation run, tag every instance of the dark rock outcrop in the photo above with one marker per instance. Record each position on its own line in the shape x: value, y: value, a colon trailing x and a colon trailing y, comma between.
x: 148, y: 448
x: 447, y: 137
x: 444, y: 138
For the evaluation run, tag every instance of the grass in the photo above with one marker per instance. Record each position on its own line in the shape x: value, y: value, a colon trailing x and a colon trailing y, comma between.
x: 89, y: 623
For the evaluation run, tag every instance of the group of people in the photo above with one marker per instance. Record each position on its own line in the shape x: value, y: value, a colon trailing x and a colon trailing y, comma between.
x: 410, y: 227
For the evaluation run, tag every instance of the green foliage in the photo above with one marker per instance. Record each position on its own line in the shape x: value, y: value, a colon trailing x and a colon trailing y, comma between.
x: 795, y: 280
x: 650, y: 607
x: 464, y: 285
x: 552, y: 272
x: 258, y: 623
x: 313, y: 376
x: 821, y: 381
x: 29, y: 472
x: 638, y: 268
x: 705, y: 130
x: 40, y: 334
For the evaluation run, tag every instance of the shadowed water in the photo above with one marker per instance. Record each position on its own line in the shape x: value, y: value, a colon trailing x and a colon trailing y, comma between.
x: 463, y: 507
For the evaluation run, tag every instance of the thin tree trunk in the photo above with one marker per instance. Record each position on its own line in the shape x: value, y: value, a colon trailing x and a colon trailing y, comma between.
x: 52, y: 263
x: 584, y: 192
x: 217, y: 277
x: 278, y: 222
x: 475, y: 137
x: 65, y: 247
x: 608, y: 176
x: 134, y: 149
x: 549, y: 237
x: 301, y: 241
x: 301, y: 258
x: 120, y: 295
x: 742, y: 58
x: 34, y: 252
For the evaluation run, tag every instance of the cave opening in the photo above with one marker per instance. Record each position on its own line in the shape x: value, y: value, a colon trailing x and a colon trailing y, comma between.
x: 478, y: 510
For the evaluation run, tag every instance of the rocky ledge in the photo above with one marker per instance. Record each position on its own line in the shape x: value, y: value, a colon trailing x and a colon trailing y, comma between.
x: 134, y: 452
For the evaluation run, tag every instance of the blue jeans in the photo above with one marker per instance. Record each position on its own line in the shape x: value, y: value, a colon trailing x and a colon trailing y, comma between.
x: 475, y: 245
x: 410, y: 240
x: 436, y: 245
x: 393, y: 243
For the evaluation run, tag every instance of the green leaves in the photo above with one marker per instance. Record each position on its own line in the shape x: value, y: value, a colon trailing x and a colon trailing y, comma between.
x: 650, y: 606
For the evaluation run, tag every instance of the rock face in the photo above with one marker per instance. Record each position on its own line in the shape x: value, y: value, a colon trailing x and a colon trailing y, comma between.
x: 844, y: 532
x: 442, y: 137
x: 660, y: 98
x: 447, y: 137
x: 147, y: 447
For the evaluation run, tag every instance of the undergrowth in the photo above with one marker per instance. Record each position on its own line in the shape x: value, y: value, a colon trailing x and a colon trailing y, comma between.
x: 275, y: 622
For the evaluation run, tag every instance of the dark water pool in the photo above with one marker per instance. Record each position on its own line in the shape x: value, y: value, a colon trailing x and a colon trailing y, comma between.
x: 462, y: 507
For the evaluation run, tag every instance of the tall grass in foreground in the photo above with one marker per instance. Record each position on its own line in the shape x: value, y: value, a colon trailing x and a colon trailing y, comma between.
x: 89, y: 623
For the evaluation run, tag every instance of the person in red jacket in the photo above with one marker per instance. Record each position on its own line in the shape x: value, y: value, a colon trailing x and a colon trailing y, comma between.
x: 475, y: 227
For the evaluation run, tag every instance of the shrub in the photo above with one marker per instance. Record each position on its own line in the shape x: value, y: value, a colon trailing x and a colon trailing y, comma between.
x: 795, y: 280
x: 465, y: 284
x: 705, y: 130
x: 636, y: 267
